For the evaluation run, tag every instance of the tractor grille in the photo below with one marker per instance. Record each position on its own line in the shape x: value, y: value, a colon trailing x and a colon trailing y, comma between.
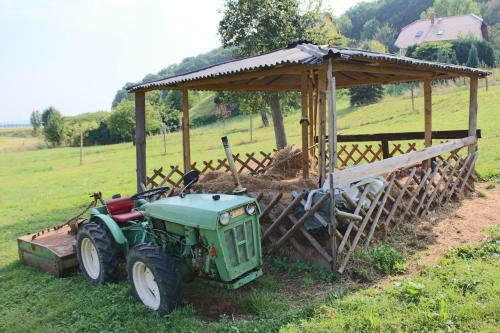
x: 240, y: 243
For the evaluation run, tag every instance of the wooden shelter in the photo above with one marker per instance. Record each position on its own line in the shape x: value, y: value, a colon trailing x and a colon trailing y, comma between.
x: 304, y: 67
x: 316, y: 72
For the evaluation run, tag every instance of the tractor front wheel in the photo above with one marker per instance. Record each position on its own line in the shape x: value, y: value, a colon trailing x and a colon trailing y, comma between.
x: 97, y: 253
x: 153, y: 278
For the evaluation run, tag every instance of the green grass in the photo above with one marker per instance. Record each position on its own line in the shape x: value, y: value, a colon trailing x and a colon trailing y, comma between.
x: 41, y: 188
x: 459, y: 295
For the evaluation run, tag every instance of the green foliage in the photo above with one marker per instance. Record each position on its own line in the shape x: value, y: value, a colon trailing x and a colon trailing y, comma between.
x: 444, y: 8
x: 396, y: 13
x: 472, y: 59
x: 411, y: 292
x: 365, y: 95
x: 36, y: 121
x: 386, y: 34
x: 456, y: 52
x: 54, y: 129
x: 122, y: 120
x: 387, y: 260
x: 370, y: 28
x: 46, y: 114
x: 258, y: 26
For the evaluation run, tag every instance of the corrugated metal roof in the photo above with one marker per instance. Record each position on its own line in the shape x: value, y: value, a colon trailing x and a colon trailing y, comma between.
x: 300, y: 53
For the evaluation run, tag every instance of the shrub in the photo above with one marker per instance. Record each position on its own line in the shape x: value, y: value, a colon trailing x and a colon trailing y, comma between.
x: 387, y: 260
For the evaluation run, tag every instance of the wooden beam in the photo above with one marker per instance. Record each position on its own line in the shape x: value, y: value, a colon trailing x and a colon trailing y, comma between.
x: 428, y: 112
x: 304, y: 122
x: 322, y: 124
x: 359, y: 172
x: 310, y: 103
x: 186, y: 144
x: 404, y: 136
x: 381, y: 69
x: 140, y: 138
x: 472, y: 111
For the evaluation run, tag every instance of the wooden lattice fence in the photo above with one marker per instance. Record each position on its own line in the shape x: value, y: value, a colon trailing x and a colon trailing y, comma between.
x: 408, y: 194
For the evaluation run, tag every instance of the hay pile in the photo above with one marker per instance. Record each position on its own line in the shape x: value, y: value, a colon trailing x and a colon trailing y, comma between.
x: 282, y: 175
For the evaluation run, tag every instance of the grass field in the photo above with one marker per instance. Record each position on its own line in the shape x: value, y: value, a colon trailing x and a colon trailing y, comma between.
x: 44, y: 187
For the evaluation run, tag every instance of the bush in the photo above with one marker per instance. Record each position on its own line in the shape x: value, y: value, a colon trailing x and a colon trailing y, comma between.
x: 54, y: 129
x: 365, y: 95
x: 387, y: 260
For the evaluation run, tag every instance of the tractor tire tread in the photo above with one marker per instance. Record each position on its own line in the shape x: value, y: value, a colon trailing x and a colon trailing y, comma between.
x: 106, y: 247
x: 164, y: 269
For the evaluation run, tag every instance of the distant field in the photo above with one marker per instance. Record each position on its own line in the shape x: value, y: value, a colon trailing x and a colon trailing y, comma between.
x: 15, y: 139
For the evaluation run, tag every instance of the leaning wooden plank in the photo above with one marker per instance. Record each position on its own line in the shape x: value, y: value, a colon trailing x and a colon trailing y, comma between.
x: 283, y: 215
x: 400, y: 196
x: 296, y: 244
x: 470, y: 162
x: 315, y: 244
x: 356, y: 212
x: 437, y: 189
x: 321, y: 220
x: 449, y: 179
x: 457, y: 180
x: 359, y: 172
x: 271, y: 205
x: 426, y: 190
x: 416, y: 192
x: 469, y: 171
x: 360, y: 232
x: 388, y: 189
x: 301, y: 221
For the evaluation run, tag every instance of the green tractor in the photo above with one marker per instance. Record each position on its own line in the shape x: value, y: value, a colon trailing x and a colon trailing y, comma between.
x: 166, y: 241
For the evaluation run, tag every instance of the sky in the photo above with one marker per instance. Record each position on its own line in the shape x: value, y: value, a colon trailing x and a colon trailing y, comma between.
x: 75, y: 54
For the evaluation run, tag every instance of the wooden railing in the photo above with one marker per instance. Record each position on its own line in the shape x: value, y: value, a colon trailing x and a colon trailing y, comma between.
x: 383, y: 145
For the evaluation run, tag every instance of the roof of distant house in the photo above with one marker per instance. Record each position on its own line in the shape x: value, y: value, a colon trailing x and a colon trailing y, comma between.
x: 441, y: 29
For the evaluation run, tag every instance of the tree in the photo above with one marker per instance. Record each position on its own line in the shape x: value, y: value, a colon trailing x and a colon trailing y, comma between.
x: 122, y: 120
x: 46, y: 114
x: 54, y: 129
x: 365, y: 95
x: 386, y: 34
x: 473, y: 59
x: 444, y: 8
x: 256, y: 26
x: 36, y: 121
x: 370, y: 28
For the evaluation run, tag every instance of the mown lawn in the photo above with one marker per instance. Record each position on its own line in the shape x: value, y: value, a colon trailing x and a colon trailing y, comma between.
x: 41, y: 188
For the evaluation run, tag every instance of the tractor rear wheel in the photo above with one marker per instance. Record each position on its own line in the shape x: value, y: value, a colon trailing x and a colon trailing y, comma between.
x: 96, y: 253
x: 153, y: 278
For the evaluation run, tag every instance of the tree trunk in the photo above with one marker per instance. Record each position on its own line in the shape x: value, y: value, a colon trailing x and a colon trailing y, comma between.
x: 279, y: 126
x: 265, y: 121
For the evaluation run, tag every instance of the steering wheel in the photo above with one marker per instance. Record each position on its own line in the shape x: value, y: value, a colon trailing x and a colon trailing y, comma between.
x: 150, y: 193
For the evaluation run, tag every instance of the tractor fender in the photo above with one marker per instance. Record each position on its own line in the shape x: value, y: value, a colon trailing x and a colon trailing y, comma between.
x: 112, y: 226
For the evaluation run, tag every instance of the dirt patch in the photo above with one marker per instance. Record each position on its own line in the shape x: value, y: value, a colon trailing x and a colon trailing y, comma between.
x: 467, y: 224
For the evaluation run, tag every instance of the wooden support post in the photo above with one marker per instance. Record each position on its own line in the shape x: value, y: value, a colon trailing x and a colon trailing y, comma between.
x: 427, y: 118
x: 322, y: 122
x: 81, y: 145
x: 385, y: 149
x: 186, y: 144
x: 472, y: 111
x: 332, y: 145
x: 428, y: 112
x: 304, y: 122
x: 312, y: 123
x: 140, y: 138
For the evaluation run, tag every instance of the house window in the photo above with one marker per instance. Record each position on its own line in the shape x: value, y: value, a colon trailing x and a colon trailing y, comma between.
x: 419, y: 33
x: 440, y: 32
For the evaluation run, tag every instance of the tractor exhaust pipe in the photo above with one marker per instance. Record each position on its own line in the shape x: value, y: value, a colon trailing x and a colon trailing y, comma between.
x: 229, y: 155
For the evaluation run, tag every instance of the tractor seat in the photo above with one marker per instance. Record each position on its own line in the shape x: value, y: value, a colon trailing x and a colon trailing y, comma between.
x: 121, y: 211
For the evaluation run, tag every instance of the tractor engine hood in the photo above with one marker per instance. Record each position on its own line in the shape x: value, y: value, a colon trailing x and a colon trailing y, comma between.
x: 195, y: 210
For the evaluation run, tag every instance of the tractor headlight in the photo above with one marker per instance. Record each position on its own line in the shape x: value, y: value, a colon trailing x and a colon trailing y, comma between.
x: 224, y: 218
x: 250, y: 208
